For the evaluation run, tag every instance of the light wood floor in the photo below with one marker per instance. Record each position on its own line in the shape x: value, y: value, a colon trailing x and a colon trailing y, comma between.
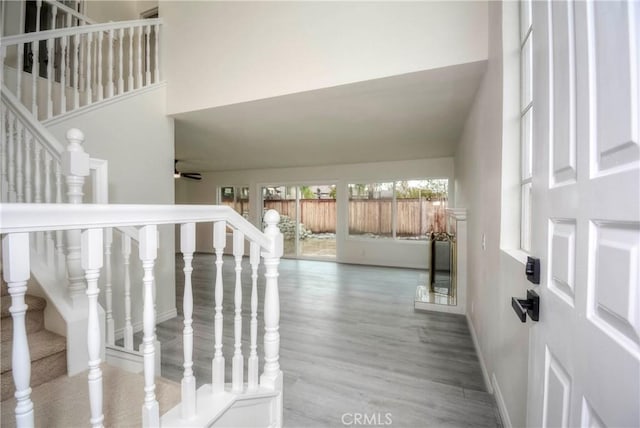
x: 351, y: 343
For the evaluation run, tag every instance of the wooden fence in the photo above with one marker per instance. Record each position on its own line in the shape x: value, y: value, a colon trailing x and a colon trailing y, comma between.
x: 413, y: 217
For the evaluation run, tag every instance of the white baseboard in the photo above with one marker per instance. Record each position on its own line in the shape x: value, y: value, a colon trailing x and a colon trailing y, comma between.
x: 502, y: 407
x: 483, y: 366
x: 137, y: 326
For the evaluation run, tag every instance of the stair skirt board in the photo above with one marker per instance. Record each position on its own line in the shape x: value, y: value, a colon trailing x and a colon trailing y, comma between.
x: 64, y: 402
x: 227, y: 410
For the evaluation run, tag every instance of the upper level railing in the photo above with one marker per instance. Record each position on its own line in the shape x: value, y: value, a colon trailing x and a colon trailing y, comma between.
x: 77, y: 66
x: 19, y: 220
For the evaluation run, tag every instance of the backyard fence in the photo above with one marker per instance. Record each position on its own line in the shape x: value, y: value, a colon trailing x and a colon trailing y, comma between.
x: 414, y: 217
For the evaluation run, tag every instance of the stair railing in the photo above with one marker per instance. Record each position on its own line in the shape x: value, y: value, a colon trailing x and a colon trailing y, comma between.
x: 92, y: 220
x: 36, y: 168
x: 77, y: 66
x: 61, y: 15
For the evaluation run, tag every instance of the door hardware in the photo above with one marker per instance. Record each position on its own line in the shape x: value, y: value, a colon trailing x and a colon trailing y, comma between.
x: 532, y: 270
x: 530, y: 305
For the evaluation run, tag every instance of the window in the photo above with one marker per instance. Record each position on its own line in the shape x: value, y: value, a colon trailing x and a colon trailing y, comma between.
x: 236, y: 197
x: 371, y: 210
x: 407, y: 210
x: 526, y: 122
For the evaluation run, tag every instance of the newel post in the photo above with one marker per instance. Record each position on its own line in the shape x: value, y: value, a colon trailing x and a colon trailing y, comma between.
x: 272, y: 376
x: 75, y: 167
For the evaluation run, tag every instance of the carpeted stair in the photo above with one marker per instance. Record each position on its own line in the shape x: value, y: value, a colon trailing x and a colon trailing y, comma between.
x: 48, y: 350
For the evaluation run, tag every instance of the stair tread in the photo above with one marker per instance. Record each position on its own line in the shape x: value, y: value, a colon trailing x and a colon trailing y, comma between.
x: 33, y: 302
x: 41, y: 345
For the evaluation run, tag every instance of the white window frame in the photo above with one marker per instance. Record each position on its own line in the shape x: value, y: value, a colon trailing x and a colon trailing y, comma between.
x: 394, y: 207
x: 526, y: 113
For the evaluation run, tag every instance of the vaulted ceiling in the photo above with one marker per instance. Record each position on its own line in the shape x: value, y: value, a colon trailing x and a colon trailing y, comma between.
x: 415, y: 115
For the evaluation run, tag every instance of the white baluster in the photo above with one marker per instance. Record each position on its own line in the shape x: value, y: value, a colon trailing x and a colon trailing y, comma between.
x: 75, y: 164
x: 54, y: 13
x: 272, y: 376
x: 128, y: 327
x: 98, y: 65
x: 238, y: 360
x: 50, y: 78
x: 148, y: 246
x: 11, y: 154
x: 120, y: 61
x: 4, y: 141
x: 37, y: 185
x: 108, y: 240
x: 69, y: 17
x: 38, y: 9
x: 110, y: 65
x: 139, y: 82
x: 28, y: 141
x: 3, y: 55
x: 252, y: 372
x: 217, y: 365
x: 47, y: 177
x: 58, y: 182
x: 88, y: 82
x: 76, y: 71
x: 20, y: 68
x: 16, y: 271
x: 188, y: 246
x: 130, y: 68
x: 147, y: 65
x: 156, y: 66
x: 35, y: 73
x: 64, y: 59
x: 82, y: 63
x: 91, y: 264
x: 47, y: 199
x: 19, y: 162
x: 37, y: 178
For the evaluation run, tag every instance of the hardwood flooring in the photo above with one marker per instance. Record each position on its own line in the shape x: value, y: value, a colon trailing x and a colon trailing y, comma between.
x: 351, y: 344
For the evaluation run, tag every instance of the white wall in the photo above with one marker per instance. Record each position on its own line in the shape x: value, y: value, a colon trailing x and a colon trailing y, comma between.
x: 350, y: 250
x: 494, y: 275
x: 109, y: 10
x: 136, y: 137
x: 240, y: 51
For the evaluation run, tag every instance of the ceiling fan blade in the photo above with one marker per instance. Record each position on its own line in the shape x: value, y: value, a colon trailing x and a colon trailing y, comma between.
x: 191, y: 175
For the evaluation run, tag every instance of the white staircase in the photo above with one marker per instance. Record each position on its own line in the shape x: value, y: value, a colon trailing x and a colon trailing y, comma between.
x: 50, y: 235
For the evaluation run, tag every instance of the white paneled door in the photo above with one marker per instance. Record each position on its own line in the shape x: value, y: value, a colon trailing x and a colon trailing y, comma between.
x: 584, y: 367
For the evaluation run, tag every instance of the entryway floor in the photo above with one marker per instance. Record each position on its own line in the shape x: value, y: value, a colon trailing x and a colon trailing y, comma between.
x: 351, y: 346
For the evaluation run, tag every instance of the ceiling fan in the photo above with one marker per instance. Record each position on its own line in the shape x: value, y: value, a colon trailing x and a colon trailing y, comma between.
x: 178, y: 174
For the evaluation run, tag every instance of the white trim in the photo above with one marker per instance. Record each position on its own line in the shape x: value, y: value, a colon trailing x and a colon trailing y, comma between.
x: 457, y: 213
x: 517, y: 254
x: 18, y: 218
x: 483, y: 366
x: 502, y: 408
x: 42, y: 134
x: 101, y: 180
x: 100, y: 104
x: 137, y: 326
x: 149, y: 13
x: 70, y: 31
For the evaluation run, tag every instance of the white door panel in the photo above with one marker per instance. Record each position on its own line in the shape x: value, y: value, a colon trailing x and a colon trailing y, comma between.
x: 585, y: 351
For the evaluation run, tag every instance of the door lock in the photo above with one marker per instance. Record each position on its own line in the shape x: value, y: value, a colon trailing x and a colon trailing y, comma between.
x: 532, y: 270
